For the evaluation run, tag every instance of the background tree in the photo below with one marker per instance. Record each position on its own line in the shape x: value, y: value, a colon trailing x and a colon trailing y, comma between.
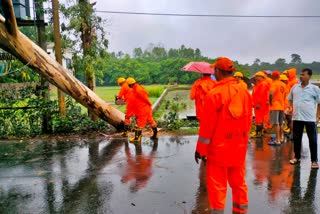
x: 296, y: 59
x: 87, y: 27
x: 280, y: 64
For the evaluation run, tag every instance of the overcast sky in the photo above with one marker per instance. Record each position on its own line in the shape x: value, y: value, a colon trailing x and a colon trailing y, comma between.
x: 242, y: 39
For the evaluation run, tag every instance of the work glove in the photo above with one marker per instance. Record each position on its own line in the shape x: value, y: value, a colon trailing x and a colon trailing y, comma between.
x: 115, y: 98
x: 201, y: 152
x: 197, y: 156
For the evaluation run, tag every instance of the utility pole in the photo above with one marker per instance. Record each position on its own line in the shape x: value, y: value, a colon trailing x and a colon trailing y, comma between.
x: 42, y: 43
x: 58, y: 52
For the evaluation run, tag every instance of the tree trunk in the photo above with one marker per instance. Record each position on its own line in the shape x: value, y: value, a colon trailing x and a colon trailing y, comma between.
x: 16, y: 43
x: 58, y: 52
x: 46, y: 127
x: 87, y: 37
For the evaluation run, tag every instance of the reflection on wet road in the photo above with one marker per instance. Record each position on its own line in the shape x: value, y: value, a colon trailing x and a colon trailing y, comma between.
x: 114, y: 176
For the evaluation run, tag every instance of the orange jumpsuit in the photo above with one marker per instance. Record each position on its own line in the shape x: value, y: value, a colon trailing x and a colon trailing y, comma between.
x: 286, y: 93
x: 199, y: 90
x: 125, y: 93
x: 241, y: 82
x: 279, y: 90
x: 225, y: 127
x: 267, y: 124
x: 142, y: 107
x: 260, y: 97
x: 269, y: 81
x: 292, y: 78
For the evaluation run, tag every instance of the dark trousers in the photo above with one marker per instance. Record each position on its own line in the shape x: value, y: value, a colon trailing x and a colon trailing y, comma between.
x: 311, y: 129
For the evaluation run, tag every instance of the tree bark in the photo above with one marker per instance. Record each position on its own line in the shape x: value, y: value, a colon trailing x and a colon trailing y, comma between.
x: 41, y: 30
x: 58, y: 52
x: 87, y: 37
x: 16, y: 43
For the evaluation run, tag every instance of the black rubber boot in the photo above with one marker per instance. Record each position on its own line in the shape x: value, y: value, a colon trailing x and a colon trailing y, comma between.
x: 125, y: 131
x: 258, y: 132
x: 155, y: 133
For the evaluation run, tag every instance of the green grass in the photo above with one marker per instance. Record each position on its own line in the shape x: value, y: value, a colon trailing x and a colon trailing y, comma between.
x: 315, y: 77
x: 187, y: 131
x: 107, y: 93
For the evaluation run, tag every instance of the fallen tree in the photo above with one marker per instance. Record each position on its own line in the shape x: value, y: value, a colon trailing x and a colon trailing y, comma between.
x: 20, y: 46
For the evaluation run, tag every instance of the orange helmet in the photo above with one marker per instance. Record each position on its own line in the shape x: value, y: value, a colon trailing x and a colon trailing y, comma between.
x: 224, y: 63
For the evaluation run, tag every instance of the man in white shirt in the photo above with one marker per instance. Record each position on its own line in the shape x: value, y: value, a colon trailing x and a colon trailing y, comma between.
x: 305, y: 98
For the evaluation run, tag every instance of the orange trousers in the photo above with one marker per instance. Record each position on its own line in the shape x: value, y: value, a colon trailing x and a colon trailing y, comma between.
x: 144, y: 118
x: 217, y: 179
x: 262, y: 116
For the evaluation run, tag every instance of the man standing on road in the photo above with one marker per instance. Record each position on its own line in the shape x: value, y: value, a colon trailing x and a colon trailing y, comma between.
x: 305, y: 98
x: 198, y: 92
x: 142, y: 110
x: 125, y: 94
x: 277, y: 100
x: 260, y: 100
x: 239, y: 76
x: 224, y: 128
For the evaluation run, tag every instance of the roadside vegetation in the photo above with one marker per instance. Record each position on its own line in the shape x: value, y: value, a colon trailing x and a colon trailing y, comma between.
x: 22, y: 112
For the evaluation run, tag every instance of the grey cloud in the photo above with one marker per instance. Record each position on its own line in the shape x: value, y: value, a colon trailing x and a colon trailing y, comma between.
x: 243, y: 39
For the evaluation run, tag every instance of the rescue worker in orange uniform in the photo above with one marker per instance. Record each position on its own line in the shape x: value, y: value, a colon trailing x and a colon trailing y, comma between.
x: 239, y: 76
x: 269, y: 80
x: 199, y: 90
x: 142, y: 110
x: 292, y: 76
x: 125, y: 94
x: 268, y: 77
x: 276, y: 99
x: 287, y: 115
x: 260, y: 98
x: 292, y: 80
x: 224, y: 128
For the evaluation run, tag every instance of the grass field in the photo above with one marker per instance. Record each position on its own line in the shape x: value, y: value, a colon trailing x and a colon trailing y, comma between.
x: 315, y: 77
x: 107, y: 93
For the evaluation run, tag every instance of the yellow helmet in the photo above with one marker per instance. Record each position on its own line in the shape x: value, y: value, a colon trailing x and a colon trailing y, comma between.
x: 130, y: 80
x: 259, y: 73
x: 283, y: 77
x: 121, y: 80
x: 238, y: 74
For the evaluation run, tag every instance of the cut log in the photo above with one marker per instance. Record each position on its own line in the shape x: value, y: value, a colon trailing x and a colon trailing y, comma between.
x: 20, y: 46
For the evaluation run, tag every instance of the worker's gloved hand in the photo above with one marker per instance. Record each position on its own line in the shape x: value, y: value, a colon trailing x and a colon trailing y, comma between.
x: 201, y: 152
x: 115, y: 98
x: 197, y: 156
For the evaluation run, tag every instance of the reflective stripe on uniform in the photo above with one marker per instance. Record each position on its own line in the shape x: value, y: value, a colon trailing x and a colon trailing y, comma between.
x: 204, y: 140
x: 240, y: 206
x: 215, y: 211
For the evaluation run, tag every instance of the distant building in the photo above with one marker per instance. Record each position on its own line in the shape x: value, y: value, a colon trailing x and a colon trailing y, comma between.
x: 66, y: 58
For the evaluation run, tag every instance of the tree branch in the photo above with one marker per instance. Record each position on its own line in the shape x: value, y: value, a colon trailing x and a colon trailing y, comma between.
x: 10, y: 22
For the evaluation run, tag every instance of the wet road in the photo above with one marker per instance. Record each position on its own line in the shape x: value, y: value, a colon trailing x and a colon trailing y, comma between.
x: 112, y: 176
